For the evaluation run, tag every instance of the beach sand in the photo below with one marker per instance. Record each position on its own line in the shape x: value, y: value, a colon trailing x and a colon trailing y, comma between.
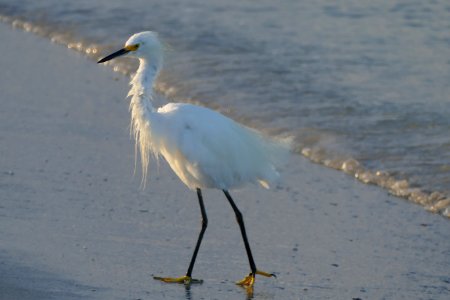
x: 75, y: 224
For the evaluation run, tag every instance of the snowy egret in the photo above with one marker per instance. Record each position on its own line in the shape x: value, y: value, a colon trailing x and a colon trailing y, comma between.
x: 204, y: 148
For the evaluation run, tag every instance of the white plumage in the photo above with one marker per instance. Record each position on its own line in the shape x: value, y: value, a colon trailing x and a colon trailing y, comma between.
x: 207, y: 150
x: 204, y: 148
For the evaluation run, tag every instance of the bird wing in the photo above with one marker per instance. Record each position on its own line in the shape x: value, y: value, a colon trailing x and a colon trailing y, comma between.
x: 207, y: 149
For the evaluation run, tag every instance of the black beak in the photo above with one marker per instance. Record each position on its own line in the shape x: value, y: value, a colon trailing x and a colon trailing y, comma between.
x: 114, y: 55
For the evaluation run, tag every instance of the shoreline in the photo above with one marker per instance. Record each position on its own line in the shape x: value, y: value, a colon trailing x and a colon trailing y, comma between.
x: 435, y: 201
x: 73, y: 216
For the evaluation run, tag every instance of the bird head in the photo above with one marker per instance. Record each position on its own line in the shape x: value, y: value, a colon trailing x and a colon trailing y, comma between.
x: 145, y: 45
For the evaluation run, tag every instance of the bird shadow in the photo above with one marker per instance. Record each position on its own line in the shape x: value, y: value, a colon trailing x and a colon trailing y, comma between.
x: 248, y: 293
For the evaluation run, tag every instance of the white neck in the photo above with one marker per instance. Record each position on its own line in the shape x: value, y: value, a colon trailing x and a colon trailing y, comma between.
x: 143, y: 80
x: 142, y: 110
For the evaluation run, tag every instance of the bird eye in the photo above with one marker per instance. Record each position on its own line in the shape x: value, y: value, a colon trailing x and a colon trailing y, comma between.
x: 132, y: 47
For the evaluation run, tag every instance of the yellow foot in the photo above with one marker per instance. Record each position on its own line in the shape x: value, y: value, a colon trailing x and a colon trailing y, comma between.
x: 187, y: 280
x: 249, y: 280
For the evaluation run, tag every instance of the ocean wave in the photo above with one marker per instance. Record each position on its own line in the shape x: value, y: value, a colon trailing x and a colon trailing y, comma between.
x: 312, y: 147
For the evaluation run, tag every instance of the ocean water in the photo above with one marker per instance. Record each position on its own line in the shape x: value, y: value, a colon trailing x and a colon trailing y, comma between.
x: 360, y: 86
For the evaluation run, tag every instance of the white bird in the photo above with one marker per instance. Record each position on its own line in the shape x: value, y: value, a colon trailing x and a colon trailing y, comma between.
x: 204, y: 148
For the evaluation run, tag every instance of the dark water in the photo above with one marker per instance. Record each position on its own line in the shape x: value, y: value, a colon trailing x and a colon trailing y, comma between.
x: 361, y: 86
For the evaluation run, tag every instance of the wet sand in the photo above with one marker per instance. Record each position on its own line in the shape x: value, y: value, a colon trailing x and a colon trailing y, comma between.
x: 75, y: 224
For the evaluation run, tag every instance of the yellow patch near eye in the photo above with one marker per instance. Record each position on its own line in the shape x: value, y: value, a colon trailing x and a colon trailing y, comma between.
x: 132, y: 47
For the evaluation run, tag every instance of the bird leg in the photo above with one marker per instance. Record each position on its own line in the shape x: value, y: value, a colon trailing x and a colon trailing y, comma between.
x: 249, y: 280
x: 187, y: 279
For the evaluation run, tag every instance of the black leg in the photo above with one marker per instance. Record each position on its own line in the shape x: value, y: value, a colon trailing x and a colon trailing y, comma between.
x: 240, y: 221
x: 202, y: 231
